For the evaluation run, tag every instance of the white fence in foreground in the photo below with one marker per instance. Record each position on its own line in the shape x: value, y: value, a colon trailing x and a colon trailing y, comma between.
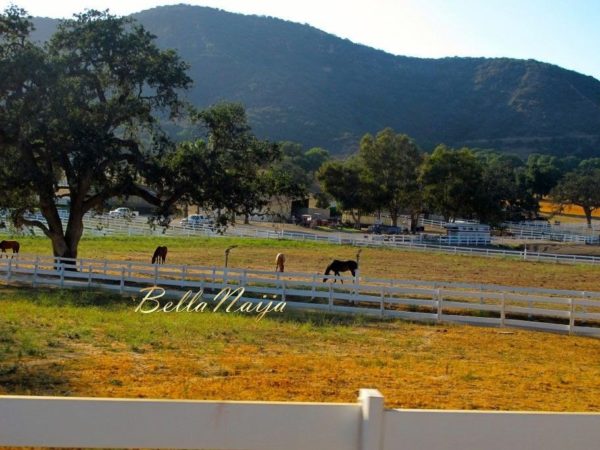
x: 574, y: 312
x: 133, y: 423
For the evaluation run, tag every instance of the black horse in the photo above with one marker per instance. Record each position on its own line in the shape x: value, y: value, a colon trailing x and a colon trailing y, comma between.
x: 338, y: 266
x: 160, y: 255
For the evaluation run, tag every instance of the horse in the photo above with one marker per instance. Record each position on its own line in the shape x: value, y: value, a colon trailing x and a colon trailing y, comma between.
x: 160, y: 255
x: 279, y: 262
x: 338, y: 266
x: 10, y: 245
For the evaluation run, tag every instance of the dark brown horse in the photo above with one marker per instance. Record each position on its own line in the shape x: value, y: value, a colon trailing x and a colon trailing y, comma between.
x: 160, y: 255
x: 10, y: 245
x: 338, y: 266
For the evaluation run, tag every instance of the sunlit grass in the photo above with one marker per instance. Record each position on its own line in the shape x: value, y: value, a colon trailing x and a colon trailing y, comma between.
x: 313, y: 257
x: 81, y: 343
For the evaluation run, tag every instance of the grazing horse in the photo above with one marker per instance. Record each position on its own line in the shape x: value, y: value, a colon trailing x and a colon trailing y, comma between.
x: 10, y: 245
x: 279, y: 262
x: 160, y: 255
x: 338, y: 266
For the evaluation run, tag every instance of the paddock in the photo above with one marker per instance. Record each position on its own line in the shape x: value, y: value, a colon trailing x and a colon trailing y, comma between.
x: 564, y: 311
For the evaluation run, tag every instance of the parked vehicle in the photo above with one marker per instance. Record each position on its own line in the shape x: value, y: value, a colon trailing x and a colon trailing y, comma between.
x: 197, y: 220
x: 123, y: 213
x: 386, y: 229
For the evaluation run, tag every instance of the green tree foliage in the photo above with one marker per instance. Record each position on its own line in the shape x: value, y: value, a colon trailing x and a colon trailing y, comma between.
x: 85, y: 109
x: 580, y: 187
x: 452, y: 182
x: 543, y: 173
x: 504, y: 193
x: 78, y: 108
x: 348, y: 183
x: 391, y: 161
x: 228, y: 169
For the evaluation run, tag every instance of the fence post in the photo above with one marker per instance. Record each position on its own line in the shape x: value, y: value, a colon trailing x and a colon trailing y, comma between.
x: 183, y: 275
x: 330, y: 303
x: 9, y: 274
x: 90, y: 276
x: 35, y: 271
x: 62, y: 274
x: 371, y: 427
x: 571, y: 315
x: 382, y: 305
x: 439, y: 305
x: 503, y: 310
x: 122, y: 281
x: 356, y: 283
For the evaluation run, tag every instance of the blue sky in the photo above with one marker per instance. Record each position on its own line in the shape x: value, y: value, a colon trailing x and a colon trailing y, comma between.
x: 566, y: 33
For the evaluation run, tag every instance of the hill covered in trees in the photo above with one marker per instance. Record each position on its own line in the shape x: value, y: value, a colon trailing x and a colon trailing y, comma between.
x: 301, y: 84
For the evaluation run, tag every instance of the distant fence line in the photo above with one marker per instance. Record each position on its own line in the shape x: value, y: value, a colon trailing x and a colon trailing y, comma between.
x: 536, y: 231
x: 574, y: 312
x: 105, y: 226
x: 232, y: 425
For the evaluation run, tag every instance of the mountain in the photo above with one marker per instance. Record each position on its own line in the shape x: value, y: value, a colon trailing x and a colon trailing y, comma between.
x: 301, y: 84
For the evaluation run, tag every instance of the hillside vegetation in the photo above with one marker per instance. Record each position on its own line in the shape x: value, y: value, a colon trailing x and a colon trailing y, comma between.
x: 301, y: 84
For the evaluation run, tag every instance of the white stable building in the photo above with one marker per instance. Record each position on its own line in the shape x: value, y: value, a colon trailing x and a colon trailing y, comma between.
x: 467, y: 233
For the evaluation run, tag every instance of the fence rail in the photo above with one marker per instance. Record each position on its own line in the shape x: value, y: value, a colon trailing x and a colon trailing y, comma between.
x: 106, y: 226
x: 574, y: 312
x: 366, y: 425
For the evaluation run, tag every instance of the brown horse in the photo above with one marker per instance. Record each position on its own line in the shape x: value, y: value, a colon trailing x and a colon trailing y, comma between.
x: 279, y: 262
x: 10, y: 245
x: 338, y: 266
x: 160, y: 255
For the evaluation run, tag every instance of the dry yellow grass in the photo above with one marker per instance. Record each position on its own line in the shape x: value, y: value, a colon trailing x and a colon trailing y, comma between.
x: 548, y: 207
x: 313, y: 258
x: 60, y: 347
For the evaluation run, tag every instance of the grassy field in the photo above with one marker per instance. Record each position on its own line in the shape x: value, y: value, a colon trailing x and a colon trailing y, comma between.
x: 79, y: 343
x: 314, y: 257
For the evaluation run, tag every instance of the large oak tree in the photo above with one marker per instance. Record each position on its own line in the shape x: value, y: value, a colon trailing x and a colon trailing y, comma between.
x: 81, y: 108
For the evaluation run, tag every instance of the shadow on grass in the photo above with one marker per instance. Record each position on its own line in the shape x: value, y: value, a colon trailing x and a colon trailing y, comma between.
x: 36, y: 378
x: 54, y: 296
x: 323, y: 319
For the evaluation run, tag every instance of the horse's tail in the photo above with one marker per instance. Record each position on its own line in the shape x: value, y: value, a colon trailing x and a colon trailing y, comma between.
x: 17, y: 247
x: 165, y: 254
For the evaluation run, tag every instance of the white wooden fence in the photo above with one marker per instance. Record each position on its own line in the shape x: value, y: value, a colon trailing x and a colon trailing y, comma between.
x: 574, y: 312
x: 106, y: 226
x: 366, y: 425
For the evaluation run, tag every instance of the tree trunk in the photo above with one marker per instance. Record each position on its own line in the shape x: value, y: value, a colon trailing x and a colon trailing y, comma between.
x: 246, y: 219
x: 414, y: 220
x: 356, y: 218
x: 66, y: 245
x: 588, y: 215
